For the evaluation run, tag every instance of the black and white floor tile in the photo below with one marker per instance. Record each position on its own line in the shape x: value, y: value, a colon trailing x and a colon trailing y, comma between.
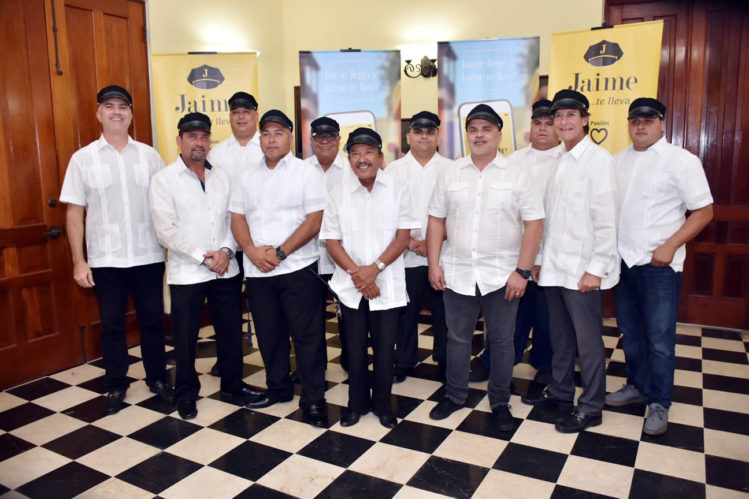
x: 54, y: 441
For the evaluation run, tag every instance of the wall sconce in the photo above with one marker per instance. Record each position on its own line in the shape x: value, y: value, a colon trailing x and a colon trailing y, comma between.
x: 427, y: 68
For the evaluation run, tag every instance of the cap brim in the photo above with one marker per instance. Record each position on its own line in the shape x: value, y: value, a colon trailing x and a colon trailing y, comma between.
x: 568, y: 104
x: 646, y: 112
x: 541, y: 111
x: 364, y: 139
x: 195, y: 125
x: 483, y: 116
x: 324, y: 130
x: 423, y: 123
x: 242, y: 103
x: 114, y: 94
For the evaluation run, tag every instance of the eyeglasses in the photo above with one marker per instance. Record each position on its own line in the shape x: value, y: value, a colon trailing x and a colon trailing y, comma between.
x: 325, y: 137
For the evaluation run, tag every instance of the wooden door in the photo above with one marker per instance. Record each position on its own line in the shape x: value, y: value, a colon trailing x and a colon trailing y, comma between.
x: 703, y: 82
x: 38, y: 334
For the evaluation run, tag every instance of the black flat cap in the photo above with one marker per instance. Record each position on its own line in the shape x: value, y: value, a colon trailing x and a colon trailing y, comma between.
x: 424, y: 119
x: 194, y: 121
x: 363, y: 135
x: 541, y: 108
x: 242, y: 99
x: 276, y: 116
x: 484, y: 112
x: 647, y: 106
x: 114, y: 92
x: 325, y: 126
x: 569, y: 99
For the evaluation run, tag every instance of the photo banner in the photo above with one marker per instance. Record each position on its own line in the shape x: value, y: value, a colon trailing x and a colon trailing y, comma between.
x: 186, y: 83
x: 502, y: 73
x: 612, y: 67
x: 355, y: 88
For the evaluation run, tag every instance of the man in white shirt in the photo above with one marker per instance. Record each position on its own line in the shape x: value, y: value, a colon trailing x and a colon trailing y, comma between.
x: 326, y: 140
x: 107, y: 181
x: 658, y: 183
x: 190, y: 212
x: 578, y: 259
x: 492, y: 216
x: 539, y: 157
x: 419, y: 169
x: 276, y: 213
x: 366, y: 227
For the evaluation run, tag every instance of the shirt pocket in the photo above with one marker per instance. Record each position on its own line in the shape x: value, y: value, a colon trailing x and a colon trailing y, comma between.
x: 500, y: 195
x: 142, y: 174
x: 457, y: 194
x: 99, y: 176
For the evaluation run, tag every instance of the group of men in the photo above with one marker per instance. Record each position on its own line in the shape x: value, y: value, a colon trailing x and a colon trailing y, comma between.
x: 530, y: 240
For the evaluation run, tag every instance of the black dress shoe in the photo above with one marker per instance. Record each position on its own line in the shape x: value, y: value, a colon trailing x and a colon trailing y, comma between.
x: 187, y: 409
x: 316, y: 415
x: 501, y: 418
x: 214, y: 371
x: 163, y: 390
x: 294, y: 377
x: 444, y: 408
x: 542, y: 398
x: 388, y: 420
x: 115, y: 401
x: 266, y: 401
x: 350, y: 418
x: 576, y: 422
x: 399, y: 375
x: 245, y: 391
x: 481, y: 373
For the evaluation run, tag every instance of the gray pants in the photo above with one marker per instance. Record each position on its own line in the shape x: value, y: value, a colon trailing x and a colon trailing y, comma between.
x: 576, y: 324
x: 461, y: 314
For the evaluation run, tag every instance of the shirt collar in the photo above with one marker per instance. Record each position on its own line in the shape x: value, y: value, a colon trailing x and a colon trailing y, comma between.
x: 660, y: 146
x: 255, y: 140
x: 339, y: 162
x: 382, y: 178
x: 281, y: 162
x: 183, y: 166
x: 430, y: 163
x: 102, y: 142
x: 499, y: 161
x: 580, y: 148
x: 555, y: 151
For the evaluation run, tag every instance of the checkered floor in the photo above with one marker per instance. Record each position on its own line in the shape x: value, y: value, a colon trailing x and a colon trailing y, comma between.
x: 54, y: 441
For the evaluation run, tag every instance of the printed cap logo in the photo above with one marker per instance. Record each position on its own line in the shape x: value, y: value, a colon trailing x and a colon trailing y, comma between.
x: 603, y: 53
x: 205, y: 77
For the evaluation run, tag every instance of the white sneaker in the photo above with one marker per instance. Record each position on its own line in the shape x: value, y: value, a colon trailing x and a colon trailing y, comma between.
x: 626, y: 395
x: 657, y: 421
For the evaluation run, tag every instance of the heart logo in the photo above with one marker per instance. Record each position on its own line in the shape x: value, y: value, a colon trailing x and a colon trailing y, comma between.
x: 598, y: 135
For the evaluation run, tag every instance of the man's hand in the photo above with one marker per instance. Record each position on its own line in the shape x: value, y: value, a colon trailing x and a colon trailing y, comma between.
x: 437, y: 278
x: 264, y: 258
x: 370, y: 292
x: 589, y: 282
x: 418, y: 246
x: 536, y: 273
x: 82, y: 275
x: 364, y: 276
x: 217, y: 261
x: 515, y: 287
x: 663, y: 255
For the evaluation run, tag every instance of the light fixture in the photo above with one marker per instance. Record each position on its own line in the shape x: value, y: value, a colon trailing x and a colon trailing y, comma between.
x: 426, y: 68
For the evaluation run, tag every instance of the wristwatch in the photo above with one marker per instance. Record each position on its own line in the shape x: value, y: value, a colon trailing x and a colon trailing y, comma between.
x: 228, y: 251
x: 525, y: 274
x: 380, y: 265
x: 280, y: 254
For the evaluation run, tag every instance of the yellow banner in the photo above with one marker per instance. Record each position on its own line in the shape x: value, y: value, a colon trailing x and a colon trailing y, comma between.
x: 612, y: 67
x: 186, y: 83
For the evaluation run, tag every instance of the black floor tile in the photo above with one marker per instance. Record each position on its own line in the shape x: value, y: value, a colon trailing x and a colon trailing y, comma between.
x: 632, y: 409
x: 131, y: 359
x: 646, y: 484
x: 11, y: 445
x: 336, y: 448
x: 353, y: 484
x: 427, y: 371
x: 416, y: 436
x: 617, y: 369
x: 257, y: 491
x: 734, y: 422
x: 687, y: 395
x: 244, y: 423
x: 687, y: 364
x: 401, y: 406
x: 81, y: 441
x: 727, y: 473
x: 156, y: 404
x: 250, y: 369
x: 724, y: 334
x: 90, y: 410
x: 165, y: 432
x: 689, y: 340
x: 562, y: 492
x: 159, y: 472
x: 724, y: 356
x: 3, y: 489
x: 250, y: 460
x: 97, y: 384
x: 447, y: 477
x: 610, y: 331
x: 472, y: 400
x: 549, y: 413
x: 205, y: 349
x: 66, y: 481
x: 22, y: 415
x: 606, y: 448
x: 334, y: 414
x: 479, y: 423
x: 531, y: 462
x: 680, y: 436
x: 725, y: 383
x: 38, y: 388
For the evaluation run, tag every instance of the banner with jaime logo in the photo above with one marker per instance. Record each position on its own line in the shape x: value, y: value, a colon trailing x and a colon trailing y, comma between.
x: 612, y: 67
x: 186, y: 83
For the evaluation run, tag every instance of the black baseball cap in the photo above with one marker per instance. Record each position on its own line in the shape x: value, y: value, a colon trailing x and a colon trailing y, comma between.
x: 363, y: 135
x: 276, y: 116
x: 242, y: 99
x: 114, y: 92
x: 194, y: 121
x: 484, y: 112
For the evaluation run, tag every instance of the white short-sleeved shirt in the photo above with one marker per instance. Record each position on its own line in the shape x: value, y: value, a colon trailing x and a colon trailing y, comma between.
x: 539, y: 163
x: 275, y: 202
x: 580, y: 228
x: 113, y: 186
x: 420, y: 181
x: 235, y: 158
x: 190, y: 221
x: 484, y: 212
x: 333, y: 177
x: 656, y: 188
x: 366, y: 223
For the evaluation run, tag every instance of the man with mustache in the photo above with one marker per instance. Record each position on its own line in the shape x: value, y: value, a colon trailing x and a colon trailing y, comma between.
x: 190, y: 213
x: 107, y: 181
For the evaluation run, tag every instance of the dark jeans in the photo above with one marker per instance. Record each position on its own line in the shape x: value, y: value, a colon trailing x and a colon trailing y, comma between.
x: 407, y: 340
x: 382, y: 325
x: 225, y: 306
x: 289, y: 305
x: 461, y: 312
x: 647, y: 301
x: 146, y: 284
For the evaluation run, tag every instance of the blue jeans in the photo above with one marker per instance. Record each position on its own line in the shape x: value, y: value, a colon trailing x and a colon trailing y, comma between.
x: 647, y: 301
